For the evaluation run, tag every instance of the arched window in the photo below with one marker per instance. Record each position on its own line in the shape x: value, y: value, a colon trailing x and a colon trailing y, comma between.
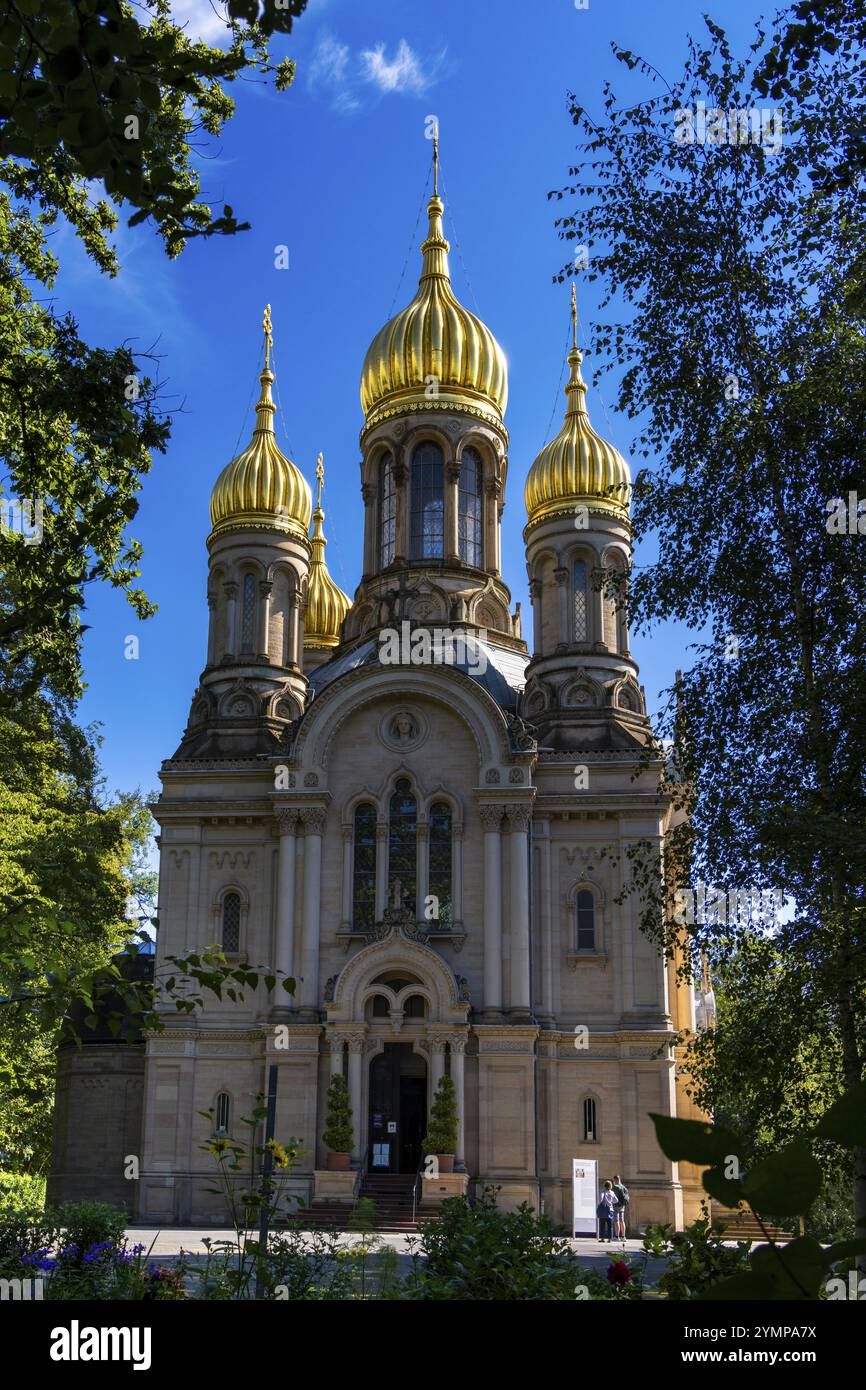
x: 402, y: 829
x: 613, y: 616
x: 590, y: 1121
x: 440, y: 864
x: 428, y: 503
x: 581, y: 626
x: 415, y: 1006
x: 222, y: 1113
x: 232, y: 923
x: 364, y: 867
x: 380, y: 1006
x: 469, y: 508
x: 388, y: 512
x: 248, y: 615
x: 585, y: 920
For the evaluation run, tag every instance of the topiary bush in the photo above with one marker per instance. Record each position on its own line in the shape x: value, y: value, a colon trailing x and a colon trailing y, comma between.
x: 441, y: 1136
x: 339, y: 1134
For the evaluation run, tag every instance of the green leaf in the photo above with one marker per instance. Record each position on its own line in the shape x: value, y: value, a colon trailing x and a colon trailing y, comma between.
x: 695, y: 1141
x: 845, y: 1121
x: 784, y: 1184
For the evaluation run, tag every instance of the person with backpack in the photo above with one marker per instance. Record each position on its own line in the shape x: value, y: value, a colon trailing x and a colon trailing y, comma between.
x: 620, y: 1220
x: 606, y: 1213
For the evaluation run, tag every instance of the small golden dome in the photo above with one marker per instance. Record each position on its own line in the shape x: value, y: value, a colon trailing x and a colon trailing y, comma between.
x: 327, y: 605
x: 261, y: 487
x: 434, y: 354
x: 578, y: 466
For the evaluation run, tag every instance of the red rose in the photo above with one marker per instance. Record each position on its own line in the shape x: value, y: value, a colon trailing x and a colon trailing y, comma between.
x: 618, y: 1273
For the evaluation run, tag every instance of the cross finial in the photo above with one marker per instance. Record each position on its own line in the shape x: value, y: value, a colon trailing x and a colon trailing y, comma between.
x: 269, y: 337
x: 320, y: 476
x: 436, y: 160
x: 573, y: 315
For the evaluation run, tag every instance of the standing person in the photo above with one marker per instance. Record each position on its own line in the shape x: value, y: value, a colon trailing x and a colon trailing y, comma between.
x: 620, y: 1220
x: 606, y: 1211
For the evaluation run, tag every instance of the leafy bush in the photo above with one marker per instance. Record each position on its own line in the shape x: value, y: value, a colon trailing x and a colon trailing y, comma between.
x: 85, y: 1224
x: 477, y: 1252
x: 339, y: 1131
x: 21, y: 1192
x: 441, y: 1137
x: 696, y: 1257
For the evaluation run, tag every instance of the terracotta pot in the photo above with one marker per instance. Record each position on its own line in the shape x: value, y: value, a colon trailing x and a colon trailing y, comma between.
x: 446, y: 1163
x: 337, y: 1163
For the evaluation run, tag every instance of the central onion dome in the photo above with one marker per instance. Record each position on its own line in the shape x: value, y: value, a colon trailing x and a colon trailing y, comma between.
x: 261, y: 487
x: 578, y: 466
x: 327, y: 605
x: 434, y: 354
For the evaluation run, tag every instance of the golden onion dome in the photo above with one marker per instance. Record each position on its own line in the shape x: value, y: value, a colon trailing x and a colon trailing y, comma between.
x: 578, y: 466
x: 434, y: 354
x: 261, y: 487
x: 327, y: 605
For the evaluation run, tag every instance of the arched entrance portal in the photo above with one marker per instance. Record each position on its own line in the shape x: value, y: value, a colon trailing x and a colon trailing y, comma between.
x: 398, y: 1108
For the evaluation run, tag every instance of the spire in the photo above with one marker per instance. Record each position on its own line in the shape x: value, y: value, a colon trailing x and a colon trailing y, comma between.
x: 576, y: 388
x: 265, y: 408
x: 435, y: 248
x: 327, y: 605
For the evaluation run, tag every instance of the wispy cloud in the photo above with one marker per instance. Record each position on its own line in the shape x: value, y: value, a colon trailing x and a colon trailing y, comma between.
x: 403, y: 73
x: 201, y: 19
x: 333, y: 74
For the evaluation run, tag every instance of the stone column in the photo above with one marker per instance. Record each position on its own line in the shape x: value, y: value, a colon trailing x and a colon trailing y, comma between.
x: 295, y: 637
x: 337, y: 1041
x: 452, y: 511
x: 381, y: 867
x: 348, y: 847
x: 492, y: 490
x: 536, y: 590
x: 369, y: 494
x: 458, y: 1049
x: 356, y: 1060
x: 561, y: 577
x: 211, y: 627
x: 545, y: 926
x: 595, y: 607
x: 231, y: 593
x: 402, y: 527
x: 265, y: 589
x: 457, y: 875
x: 314, y: 824
x: 437, y: 1063
x: 287, y: 821
x: 518, y: 820
x: 422, y: 871
x: 491, y: 820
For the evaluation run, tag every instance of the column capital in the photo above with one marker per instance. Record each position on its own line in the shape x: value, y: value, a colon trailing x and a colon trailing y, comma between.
x: 491, y: 815
x: 348, y: 833
x: 519, y: 815
x: 356, y: 1041
x: 368, y: 493
x: 266, y: 587
x: 230, y: 588
x: 287, y: 820
x: 560, y: 575
x: 457, y: 1043
x: 313, y: 818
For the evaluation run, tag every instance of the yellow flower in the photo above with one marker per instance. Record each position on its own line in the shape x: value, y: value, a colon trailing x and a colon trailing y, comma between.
x: 218, y: 1147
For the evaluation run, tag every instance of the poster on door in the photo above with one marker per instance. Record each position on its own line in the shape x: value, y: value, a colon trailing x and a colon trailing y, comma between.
x: 585, y: 1186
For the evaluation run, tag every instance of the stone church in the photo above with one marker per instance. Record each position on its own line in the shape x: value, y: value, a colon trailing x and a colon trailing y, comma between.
x: 417, y: 812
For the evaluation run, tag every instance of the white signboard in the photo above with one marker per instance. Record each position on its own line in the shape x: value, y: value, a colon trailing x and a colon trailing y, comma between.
x: 585, y: 1182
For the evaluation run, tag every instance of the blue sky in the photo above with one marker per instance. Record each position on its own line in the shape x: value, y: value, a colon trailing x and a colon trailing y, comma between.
x: 335, y: 169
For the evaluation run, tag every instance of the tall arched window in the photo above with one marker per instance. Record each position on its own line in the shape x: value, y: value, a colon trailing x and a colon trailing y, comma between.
x: 248, y: 613
x: 469, y: 508
x: 585, y: 920
x: 440, y: 863
x: 232, y: 923
x: 364, y: 867
x: 222, y: 1113
x: 388, y: 512
x: 581, y: 625
x: 428, y: 503
x: 612, y: 615
x: 402, y: 830
x: 590, y: 1120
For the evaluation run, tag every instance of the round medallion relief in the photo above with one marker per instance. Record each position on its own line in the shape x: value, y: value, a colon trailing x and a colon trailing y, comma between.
x: 403, y: 729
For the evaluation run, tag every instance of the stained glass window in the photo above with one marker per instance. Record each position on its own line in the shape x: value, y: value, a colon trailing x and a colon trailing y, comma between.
x: 428, y: 503
x: 388, y: 519
x: 585, y: 920
x: 402, y: 827
x: 469, y: 508
x: 364, y: 867
x: 440, y: 862
x: 580, y: 610
x: 231, y: 923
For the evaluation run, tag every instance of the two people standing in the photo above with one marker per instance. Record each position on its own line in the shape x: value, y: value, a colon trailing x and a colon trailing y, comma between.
x: 612, y: 1210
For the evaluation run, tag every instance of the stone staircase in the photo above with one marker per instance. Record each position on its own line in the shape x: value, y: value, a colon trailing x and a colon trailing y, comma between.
x: 391, y: 1194
x: 743, y: 1225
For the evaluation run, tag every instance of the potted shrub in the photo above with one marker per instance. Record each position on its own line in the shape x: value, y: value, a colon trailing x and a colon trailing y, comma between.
x: 441, y: 1136
x: 339, y: 1131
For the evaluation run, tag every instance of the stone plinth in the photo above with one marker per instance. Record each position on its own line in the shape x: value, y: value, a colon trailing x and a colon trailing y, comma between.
x: 332, y: 1185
